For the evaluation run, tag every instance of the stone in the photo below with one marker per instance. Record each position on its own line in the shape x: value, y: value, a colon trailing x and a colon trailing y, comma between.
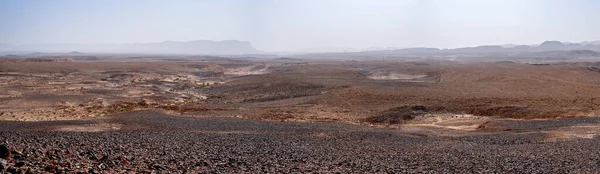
x: 4, y: 151
x: 3, y: 164
x: 11, y: 169
x: 20, y: 163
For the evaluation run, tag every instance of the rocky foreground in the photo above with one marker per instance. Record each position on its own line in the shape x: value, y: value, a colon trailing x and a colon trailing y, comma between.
x: 149, y: 141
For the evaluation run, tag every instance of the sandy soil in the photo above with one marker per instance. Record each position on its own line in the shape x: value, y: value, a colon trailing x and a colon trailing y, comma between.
x: 320, y: 90
x: 436, y: 112
x: 394, y: 76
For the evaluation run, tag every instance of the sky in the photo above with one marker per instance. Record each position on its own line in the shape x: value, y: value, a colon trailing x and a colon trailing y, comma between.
x: 291, y: 25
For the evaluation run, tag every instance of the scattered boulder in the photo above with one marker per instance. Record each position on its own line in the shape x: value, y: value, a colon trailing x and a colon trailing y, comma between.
x: 20, y: 163
x: 4, y: 151
x: 11, y: 169
x: 51, y: 168
x: 3, y: 164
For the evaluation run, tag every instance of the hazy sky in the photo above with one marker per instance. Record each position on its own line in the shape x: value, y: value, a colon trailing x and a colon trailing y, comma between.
x: 289, y: 25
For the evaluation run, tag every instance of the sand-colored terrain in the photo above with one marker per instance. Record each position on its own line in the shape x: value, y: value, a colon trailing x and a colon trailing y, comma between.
x: 433, y: 111
x: 320, y: 90
x: 413, y: 96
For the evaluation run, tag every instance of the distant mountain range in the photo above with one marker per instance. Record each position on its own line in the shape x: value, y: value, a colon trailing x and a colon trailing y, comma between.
x: 591, y: 43
x: 207, y: 47
x: 547, y: 49
x: 235, y: 47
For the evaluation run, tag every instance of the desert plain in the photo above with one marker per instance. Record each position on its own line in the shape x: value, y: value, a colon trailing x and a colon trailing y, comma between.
x: 287, y: 115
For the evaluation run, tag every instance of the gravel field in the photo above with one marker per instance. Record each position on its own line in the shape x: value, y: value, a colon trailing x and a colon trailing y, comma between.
x: 526, y: 125
x: 149, y: 141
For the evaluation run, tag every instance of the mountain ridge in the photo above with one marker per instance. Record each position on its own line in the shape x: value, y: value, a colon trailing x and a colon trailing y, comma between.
x: 224, y: 47
x: 237, y: 47
x: 548, y: 49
